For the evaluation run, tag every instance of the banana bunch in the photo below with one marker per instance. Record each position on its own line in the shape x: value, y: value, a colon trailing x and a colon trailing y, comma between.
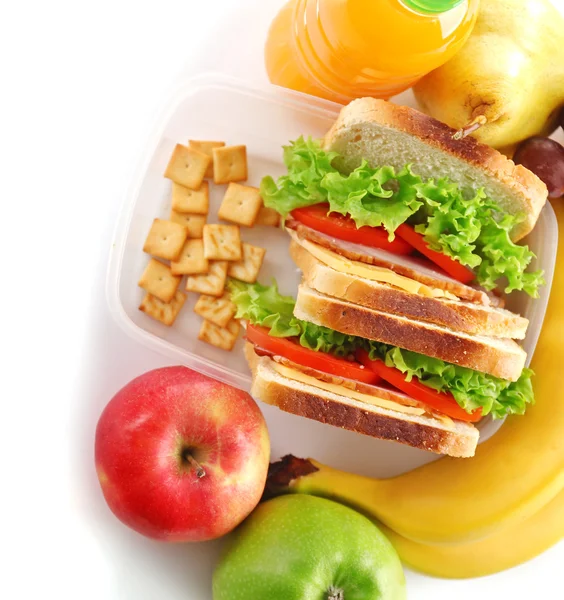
x: 505, y: 548
x: 471, y: 517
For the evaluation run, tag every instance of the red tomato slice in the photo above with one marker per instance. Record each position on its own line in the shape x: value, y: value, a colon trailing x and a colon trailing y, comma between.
x: 440, y: 401
x: 309, y: 358
x: 344, y: 228
x: 446, y: 263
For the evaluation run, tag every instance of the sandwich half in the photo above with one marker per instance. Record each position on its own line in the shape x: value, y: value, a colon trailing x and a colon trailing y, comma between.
x: 390, y: 187
x: 383, y: 413
x: 310, y: 361
x: 408, y: 244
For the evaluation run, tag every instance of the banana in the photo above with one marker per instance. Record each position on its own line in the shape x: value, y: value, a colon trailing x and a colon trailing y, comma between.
x: 512, y: 476
x: 502, y: 550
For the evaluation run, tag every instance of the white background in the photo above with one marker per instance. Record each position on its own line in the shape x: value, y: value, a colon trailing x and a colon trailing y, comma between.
x: 81, y: 86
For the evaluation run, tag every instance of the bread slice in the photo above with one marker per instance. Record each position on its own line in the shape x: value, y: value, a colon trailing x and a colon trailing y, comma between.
x: 454, y: 438
x: 458, y: 316
x: 499, y: 357
x: 386, y: 134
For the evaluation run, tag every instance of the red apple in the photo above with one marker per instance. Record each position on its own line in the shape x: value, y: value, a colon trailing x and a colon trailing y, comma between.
x: 180, y: 456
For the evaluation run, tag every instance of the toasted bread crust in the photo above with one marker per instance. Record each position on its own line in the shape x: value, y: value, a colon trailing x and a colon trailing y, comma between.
x: 498, y: 357
x: 528, y: 192
x: 425, y: 433
x: 458, y: 316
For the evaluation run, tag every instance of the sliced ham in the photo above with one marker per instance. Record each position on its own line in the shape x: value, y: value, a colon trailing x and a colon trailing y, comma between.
x: 383, y: 391
x: 413, y: 267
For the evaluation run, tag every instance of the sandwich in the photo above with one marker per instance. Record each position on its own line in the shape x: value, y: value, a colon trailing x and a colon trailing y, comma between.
x: 408, y: 244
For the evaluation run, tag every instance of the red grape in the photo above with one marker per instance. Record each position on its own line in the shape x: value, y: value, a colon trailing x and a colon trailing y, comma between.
x: 545, y: 158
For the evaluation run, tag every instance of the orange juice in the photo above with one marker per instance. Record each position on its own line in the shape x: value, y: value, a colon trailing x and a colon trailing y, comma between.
x: 345, y: 49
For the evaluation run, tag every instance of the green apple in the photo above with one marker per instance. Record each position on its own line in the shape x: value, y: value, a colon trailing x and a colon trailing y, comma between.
x: 301, y: 547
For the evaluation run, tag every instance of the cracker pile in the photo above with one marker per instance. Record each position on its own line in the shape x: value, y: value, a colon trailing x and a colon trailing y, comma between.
x: 206, y: 253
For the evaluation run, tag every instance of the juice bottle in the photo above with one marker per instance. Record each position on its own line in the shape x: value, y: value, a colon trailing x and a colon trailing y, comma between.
x: 345, y: 49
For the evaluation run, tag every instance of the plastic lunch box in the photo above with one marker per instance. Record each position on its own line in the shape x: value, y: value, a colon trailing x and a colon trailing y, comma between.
x: 263, y: 118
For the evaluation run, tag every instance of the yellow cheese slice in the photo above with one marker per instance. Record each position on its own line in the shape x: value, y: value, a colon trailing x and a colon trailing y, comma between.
x: 371, y: 272
x: 343, y: 391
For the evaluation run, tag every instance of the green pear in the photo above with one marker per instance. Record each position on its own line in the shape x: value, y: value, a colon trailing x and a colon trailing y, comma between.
x: 508, y: 76
x: 300, y: 547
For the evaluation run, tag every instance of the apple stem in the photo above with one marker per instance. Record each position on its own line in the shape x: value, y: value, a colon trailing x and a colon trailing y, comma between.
x: 470, y: 127
x: 335, y: 594
x: 199, y: 469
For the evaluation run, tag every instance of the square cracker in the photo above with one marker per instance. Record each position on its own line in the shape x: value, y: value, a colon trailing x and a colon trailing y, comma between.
x: 240, y: 204
x: 247, y: 269
x: 165, y: 312
x: 229, y: 164
x: 220, y: 337
x: 191, y: 260
x: 187, y: 166
x: 217, y: 310
x: 207, y: 148
x: 212, y: 284
x: 222, y: 242
x: 185, y: 200
x: 193, y: 223
x: 165, y: 239
x: 159, y: 281
x: 267, y: 216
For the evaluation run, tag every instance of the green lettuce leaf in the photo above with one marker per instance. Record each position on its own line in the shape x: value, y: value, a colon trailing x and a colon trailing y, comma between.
x: 501, y: 257
x: 472, y: 230
x: 307, y: 165
x: 476, y: 233
x: 265, y: 306
x: 453, y: 223
x: 375, y: 197
x: 471, y: 389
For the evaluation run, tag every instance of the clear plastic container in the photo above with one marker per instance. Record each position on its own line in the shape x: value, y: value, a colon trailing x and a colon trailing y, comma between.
x: 263, y: 118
